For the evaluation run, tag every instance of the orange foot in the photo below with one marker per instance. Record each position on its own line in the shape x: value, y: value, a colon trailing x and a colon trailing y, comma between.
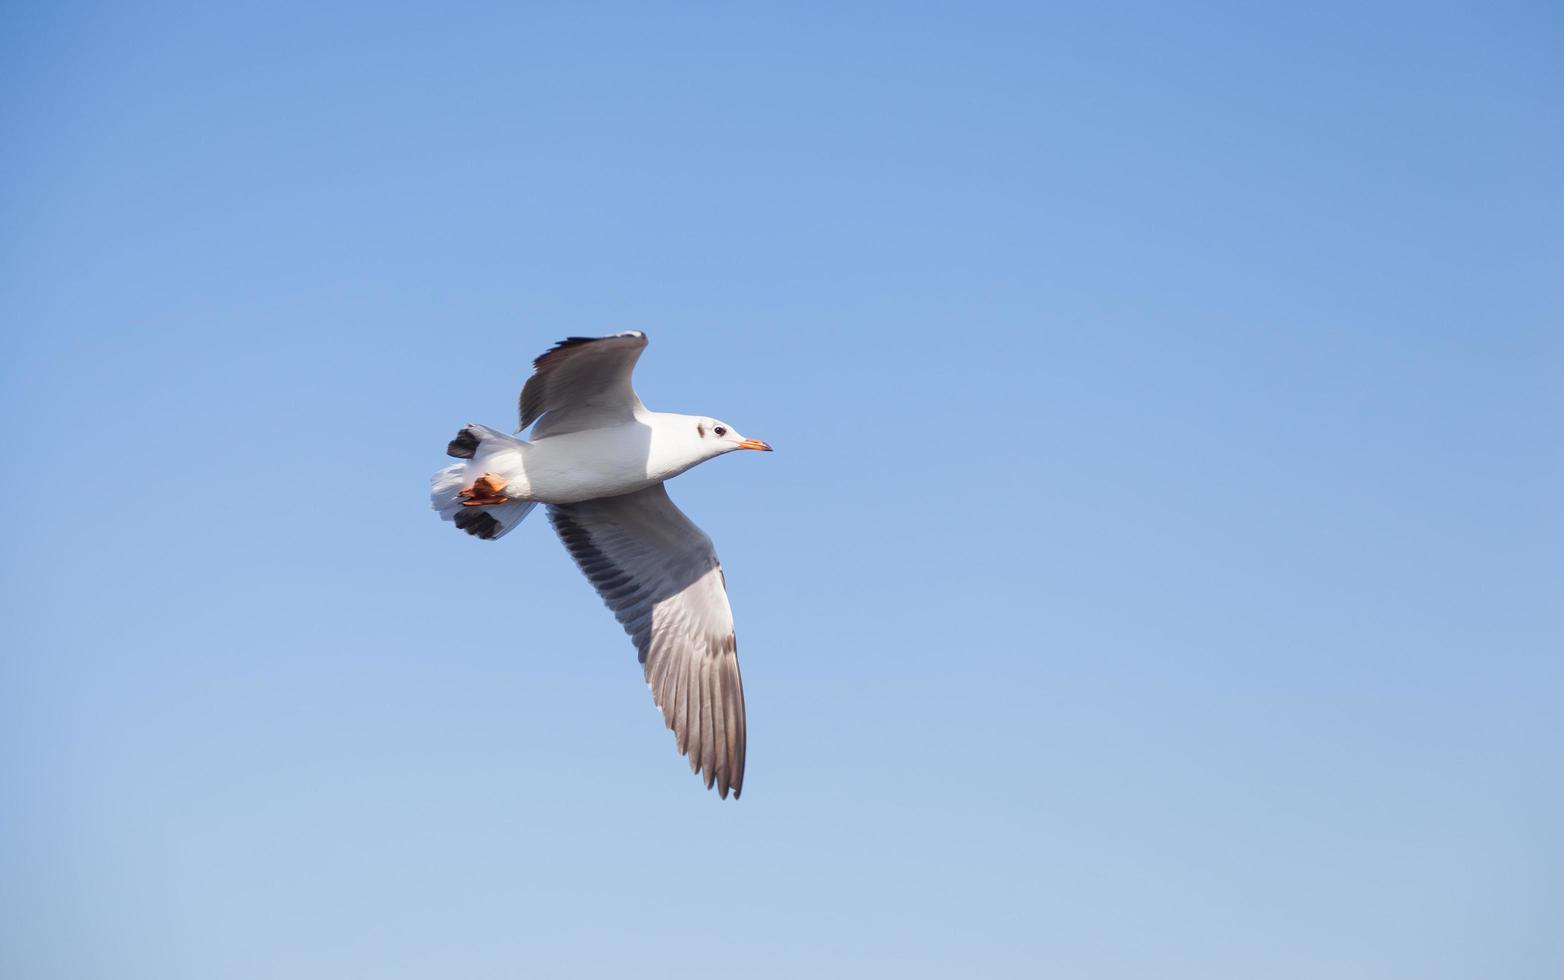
x: 485, y: 492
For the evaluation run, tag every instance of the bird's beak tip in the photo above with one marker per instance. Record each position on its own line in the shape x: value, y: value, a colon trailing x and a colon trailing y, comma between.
x: 756, y: 444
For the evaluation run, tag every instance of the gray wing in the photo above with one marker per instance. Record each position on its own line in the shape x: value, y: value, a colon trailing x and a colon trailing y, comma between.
x: 658, y: 572
x: 582, y: 383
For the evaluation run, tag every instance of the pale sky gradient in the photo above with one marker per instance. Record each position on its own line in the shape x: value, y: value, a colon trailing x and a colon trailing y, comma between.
x: 1159, y: 573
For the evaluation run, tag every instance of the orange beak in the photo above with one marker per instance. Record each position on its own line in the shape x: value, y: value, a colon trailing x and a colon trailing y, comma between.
x: 755, y: 444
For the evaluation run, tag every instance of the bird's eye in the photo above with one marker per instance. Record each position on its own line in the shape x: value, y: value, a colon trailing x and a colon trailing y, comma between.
x: 720, y: 431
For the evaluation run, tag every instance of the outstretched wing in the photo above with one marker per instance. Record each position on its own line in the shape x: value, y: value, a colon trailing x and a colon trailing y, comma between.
x: 659, y: 574
x: 582, y: 383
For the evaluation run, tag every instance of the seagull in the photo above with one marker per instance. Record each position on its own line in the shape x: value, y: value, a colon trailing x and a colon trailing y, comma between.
x: 599, y: 458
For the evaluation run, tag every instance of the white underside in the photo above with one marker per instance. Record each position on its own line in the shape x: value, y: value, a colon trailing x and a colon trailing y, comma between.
x: 595, y: 463
x: 574, y: 466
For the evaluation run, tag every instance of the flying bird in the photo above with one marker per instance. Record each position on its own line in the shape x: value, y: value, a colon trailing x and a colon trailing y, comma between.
x: 599, y: 458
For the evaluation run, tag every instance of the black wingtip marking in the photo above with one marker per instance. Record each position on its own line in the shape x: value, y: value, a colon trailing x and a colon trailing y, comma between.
x: 464, y: 446
x: 477, y: 523
x: 572, y: 342
x: 568, y: 343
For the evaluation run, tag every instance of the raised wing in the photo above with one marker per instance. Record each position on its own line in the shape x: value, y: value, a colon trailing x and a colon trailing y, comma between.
x: 582, y: 383
x: 658, y: 572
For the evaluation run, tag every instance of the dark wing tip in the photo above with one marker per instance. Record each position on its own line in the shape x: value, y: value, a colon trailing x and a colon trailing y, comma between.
x: 477, y: 523
x: 571, y: 343
x: 464, y: 446
x: 724, y: 786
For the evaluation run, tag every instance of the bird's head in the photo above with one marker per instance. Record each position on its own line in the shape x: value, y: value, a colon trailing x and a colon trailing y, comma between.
x: 717, y: 437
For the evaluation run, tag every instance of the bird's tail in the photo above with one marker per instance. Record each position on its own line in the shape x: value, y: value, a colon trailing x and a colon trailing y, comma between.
x: 487, y: 460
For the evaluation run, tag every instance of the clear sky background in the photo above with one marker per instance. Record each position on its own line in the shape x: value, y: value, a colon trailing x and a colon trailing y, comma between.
x: 1159, y: 574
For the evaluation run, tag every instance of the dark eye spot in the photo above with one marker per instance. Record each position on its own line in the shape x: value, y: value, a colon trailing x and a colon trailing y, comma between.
x: 701, y: 428
x: 720, y: 431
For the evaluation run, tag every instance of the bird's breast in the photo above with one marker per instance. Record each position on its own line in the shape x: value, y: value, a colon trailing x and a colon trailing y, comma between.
x: 590, y: 464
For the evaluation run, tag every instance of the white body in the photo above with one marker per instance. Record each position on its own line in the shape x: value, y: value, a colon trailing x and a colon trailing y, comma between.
x: 594, y: 463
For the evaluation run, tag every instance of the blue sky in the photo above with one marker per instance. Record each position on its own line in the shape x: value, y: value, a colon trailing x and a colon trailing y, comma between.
x: 1159, y: 573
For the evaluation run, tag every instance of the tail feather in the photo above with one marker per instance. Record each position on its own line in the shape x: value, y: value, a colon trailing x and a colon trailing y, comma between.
x: 483, y: 451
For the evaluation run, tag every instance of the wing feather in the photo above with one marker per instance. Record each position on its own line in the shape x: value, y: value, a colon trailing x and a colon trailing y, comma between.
x: 582, y: 383
x: 660, y: 576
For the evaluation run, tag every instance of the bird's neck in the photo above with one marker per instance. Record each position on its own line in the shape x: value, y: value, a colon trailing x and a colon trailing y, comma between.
x: 676, y: 444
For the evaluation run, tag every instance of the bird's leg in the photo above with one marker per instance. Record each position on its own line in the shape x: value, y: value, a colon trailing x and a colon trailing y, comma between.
x: 486, y: 491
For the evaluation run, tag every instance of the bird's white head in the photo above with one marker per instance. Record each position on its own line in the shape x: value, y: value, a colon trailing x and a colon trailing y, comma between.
x: 713, y: 437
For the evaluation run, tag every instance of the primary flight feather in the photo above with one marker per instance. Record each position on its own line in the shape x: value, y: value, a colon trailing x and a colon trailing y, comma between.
x: 598, y: 458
